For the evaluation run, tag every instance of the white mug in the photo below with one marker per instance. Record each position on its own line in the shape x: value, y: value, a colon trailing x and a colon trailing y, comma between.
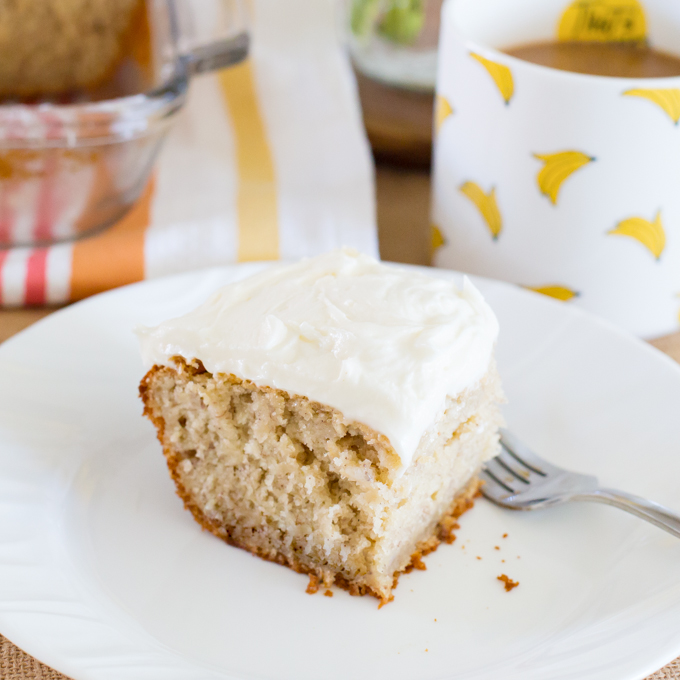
x: 561, y: 182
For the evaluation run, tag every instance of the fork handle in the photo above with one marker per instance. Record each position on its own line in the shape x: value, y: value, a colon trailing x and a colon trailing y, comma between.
x: 657, y: 514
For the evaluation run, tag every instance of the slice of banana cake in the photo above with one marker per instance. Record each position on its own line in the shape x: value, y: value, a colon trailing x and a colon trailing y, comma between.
x: 330, y: 415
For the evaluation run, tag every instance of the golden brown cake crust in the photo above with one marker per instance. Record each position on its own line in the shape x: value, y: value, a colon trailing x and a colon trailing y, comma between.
x: 443, y: 531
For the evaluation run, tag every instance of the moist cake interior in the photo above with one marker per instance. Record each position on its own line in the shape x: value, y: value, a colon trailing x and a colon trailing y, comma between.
x: 292, y: 481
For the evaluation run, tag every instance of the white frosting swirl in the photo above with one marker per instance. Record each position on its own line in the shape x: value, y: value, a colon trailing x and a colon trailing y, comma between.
x: 384, y: 345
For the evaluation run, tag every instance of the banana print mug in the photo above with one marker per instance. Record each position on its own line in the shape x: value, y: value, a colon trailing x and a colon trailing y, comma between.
x: 564, y: 183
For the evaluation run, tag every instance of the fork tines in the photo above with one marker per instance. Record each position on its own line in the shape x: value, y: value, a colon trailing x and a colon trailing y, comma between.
x: 512, y: 470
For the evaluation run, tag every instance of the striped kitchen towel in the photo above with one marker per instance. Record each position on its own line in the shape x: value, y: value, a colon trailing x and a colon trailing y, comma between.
x: 268, y: 160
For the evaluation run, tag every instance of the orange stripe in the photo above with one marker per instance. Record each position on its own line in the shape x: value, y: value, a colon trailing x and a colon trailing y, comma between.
x: 258, y: 222
x: 114, y: 257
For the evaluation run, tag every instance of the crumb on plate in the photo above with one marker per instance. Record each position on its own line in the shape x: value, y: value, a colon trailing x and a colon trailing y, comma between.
x: 508, y: 583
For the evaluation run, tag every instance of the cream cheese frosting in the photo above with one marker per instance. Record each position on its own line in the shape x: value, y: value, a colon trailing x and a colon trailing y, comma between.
x: 383, y: 345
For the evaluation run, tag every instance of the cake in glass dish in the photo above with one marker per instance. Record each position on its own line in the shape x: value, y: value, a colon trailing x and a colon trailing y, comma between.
x: 54, y: 48
x: 330, y: 415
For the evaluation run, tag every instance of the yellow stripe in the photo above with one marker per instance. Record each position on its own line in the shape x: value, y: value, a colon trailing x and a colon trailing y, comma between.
x: 258, y: 222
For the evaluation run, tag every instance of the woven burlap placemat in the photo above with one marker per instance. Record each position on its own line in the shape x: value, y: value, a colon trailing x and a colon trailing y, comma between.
x: 16, y: 665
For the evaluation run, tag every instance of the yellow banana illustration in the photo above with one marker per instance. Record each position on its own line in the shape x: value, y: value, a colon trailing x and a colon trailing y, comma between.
x: 486, y: 204
x: 558, y: 292
x: 437, y: 238
x: 501, y: 75
x: 558, y: 166
x: 441, y: 112
x: 666, y: 98
x: 650, y: 234
x: 603, y: 21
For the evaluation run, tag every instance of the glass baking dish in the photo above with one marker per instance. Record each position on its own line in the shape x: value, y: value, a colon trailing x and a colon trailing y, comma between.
x: 74, y: 164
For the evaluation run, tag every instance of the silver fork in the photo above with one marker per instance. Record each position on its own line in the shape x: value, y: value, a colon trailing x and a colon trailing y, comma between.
x: 518, y: 479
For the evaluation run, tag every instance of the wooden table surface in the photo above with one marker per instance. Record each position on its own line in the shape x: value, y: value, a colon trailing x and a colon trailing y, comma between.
x: 403, y: 223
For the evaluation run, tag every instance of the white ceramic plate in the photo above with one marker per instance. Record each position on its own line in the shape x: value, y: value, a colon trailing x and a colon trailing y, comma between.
x: 103, y: 575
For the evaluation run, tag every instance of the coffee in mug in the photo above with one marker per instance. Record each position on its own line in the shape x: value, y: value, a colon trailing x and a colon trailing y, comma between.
x: 614, y: 59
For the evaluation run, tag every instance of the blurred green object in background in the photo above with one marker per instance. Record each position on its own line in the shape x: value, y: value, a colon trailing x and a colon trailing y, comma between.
x: 363, y: 15
x: 399, y: 21
x: 403, y: 21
